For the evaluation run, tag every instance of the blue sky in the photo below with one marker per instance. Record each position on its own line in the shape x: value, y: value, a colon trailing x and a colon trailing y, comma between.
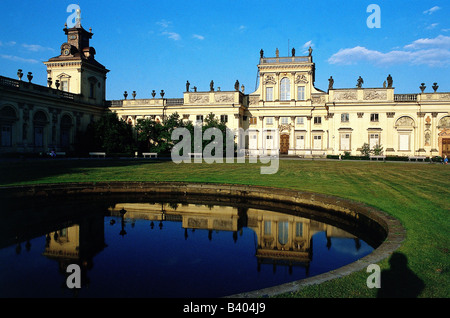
x: 155, y: 45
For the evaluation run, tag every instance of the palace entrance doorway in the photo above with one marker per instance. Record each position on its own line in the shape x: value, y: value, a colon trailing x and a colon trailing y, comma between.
x: 444, y: 143
x: 446, y: 147
x: 284, y: 144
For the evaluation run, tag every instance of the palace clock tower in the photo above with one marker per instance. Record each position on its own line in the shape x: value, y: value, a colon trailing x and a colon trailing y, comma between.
x: 76, y: 70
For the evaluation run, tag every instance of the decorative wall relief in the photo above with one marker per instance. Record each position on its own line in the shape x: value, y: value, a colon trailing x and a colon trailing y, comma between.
x: 345, y: 95
x: 224, y: 98
x: 405, y: 121
x: 301, y: 79
x: 269, y: 79
x: 253, y: 100
x: 199, y: 98
x: 375, y: 95
x: 427, y: 137
x: 318, y: 99
x: 444, y: 122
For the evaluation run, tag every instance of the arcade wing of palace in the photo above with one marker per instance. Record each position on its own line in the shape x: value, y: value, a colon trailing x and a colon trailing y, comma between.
x: 286, y: 114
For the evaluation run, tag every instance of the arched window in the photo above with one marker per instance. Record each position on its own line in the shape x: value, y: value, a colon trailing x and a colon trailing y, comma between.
x: 66, y: 127
x: 40, y: 120
x: 285, y: 89
x: 7, y: 119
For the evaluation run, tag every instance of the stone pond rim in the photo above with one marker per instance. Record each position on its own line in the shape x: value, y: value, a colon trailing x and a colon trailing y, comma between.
x: 327, y: 206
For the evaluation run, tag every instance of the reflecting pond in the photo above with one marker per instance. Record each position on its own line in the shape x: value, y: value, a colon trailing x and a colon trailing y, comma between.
x: 128, y: 246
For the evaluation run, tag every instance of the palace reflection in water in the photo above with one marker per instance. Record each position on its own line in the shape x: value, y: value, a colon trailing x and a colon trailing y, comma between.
x: 278, y: 240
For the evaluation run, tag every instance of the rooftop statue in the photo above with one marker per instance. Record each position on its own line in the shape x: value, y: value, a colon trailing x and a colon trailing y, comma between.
x: 330, y: 82
x: 359, y: 82
x: 389, y: 81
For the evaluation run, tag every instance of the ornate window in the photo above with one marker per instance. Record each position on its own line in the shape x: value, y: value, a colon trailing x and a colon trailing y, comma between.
x: 300, y: 142
x: 285, y: 89
x: 269, y: 94
x: 300, y: 92
x: 345, y: 142
x: 374, y: 140
x: 317, y: 142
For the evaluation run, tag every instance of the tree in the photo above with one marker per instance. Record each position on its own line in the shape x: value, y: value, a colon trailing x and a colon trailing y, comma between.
x: 377, y: 150
x: 109, y: 134
x: 365, y: 150
x: 211, y: 121
x: 155, y: 136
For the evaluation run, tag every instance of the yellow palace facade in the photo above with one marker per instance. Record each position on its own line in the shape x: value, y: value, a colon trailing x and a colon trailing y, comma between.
x: 286, y: 114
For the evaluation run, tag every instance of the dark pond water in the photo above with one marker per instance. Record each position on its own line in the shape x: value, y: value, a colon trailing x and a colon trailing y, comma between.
x: 147, y: 247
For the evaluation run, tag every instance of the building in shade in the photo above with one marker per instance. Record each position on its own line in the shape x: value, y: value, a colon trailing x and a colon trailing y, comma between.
x: 41, y: 118
x: 287, y: 114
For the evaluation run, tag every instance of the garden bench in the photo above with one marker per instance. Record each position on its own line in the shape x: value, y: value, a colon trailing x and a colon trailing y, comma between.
x: 150, y: 154
x: 378, y: 157
x: 97, y: 154
x: 416, y: 158
x: 58, y: 153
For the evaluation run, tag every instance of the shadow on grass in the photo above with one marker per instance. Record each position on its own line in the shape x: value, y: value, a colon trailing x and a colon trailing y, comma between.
x: 34, y: 170
x: 399, y: 281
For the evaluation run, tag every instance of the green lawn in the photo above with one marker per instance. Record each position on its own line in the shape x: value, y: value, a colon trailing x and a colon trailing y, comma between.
x: 416, y: 193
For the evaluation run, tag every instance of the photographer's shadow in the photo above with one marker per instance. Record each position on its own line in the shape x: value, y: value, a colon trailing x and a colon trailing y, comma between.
x: 399, y: 281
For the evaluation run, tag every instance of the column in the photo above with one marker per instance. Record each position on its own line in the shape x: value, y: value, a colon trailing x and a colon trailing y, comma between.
x: 308, y: 135
x: 292, y: 136
x: 421, y: 132
x: 276, y: 137
x: 434, y: 134
x: 261, y: 144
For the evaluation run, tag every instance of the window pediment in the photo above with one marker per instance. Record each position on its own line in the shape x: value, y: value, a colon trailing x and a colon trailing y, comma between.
x: 63, y: 76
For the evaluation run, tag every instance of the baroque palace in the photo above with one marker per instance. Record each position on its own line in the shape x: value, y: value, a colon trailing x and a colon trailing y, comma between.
x: 286, y: 114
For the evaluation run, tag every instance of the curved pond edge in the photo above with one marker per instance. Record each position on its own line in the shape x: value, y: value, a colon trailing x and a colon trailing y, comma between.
x: 395, y: 232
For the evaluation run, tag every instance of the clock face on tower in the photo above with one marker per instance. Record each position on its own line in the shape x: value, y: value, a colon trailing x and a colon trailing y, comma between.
x: 66, y: 52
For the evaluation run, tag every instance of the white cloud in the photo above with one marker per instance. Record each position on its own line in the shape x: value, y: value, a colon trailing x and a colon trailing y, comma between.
x: 306, y: 46
x: 36, y: 47
x: 432, y: 26
x: 9, y: 43
x: 440, y: 41
x: 198, y: 36
x: 18, y: 59
x: 431, y: 10
x: 431, y: 52
x: 172, y: 35
x: 164, y: 23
